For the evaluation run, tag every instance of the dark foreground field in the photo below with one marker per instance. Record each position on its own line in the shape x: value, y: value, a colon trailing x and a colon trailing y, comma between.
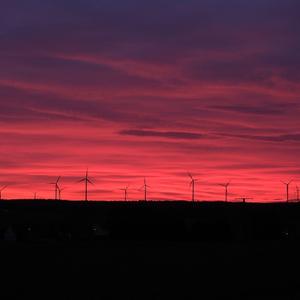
x: 150, y: 270
x: 46, y: 255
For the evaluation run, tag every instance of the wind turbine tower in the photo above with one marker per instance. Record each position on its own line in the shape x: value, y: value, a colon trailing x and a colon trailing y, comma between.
x: 60, y: 190
x: 125, y: 192
x: 145, y: 188
x: 287, y: 184
x: 56, y: 187
x: 244, y: 199
x: 86, y: 181
x: 226, y: 185
x: 192, y: 184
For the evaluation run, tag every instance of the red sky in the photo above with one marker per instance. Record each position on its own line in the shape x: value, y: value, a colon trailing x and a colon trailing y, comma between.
x: 132, y: 89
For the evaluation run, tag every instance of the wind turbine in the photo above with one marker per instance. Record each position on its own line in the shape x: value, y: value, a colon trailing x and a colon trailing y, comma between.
x: 287, y: 184
x: 226, y: 185
x: 297, y: 191
x: 192, y: 184
x: 56, y: 187
x: 86, y: 181
x: 145, y: 187
x: 243, y: 199
x: 1, y: 190
x: 125, y: 192
x: 60, y: 192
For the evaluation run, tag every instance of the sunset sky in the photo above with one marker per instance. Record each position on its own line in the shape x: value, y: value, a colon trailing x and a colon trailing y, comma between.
x: 133, y: 88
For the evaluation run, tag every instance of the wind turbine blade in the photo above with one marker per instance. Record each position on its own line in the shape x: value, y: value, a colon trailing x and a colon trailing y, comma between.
x: 190, y: 175
x: 81, y: 180
x: 89, y: 181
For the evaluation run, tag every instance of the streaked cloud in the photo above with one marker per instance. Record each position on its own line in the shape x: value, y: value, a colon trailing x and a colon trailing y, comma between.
x: 134, y: 89
x: 163, y: 134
